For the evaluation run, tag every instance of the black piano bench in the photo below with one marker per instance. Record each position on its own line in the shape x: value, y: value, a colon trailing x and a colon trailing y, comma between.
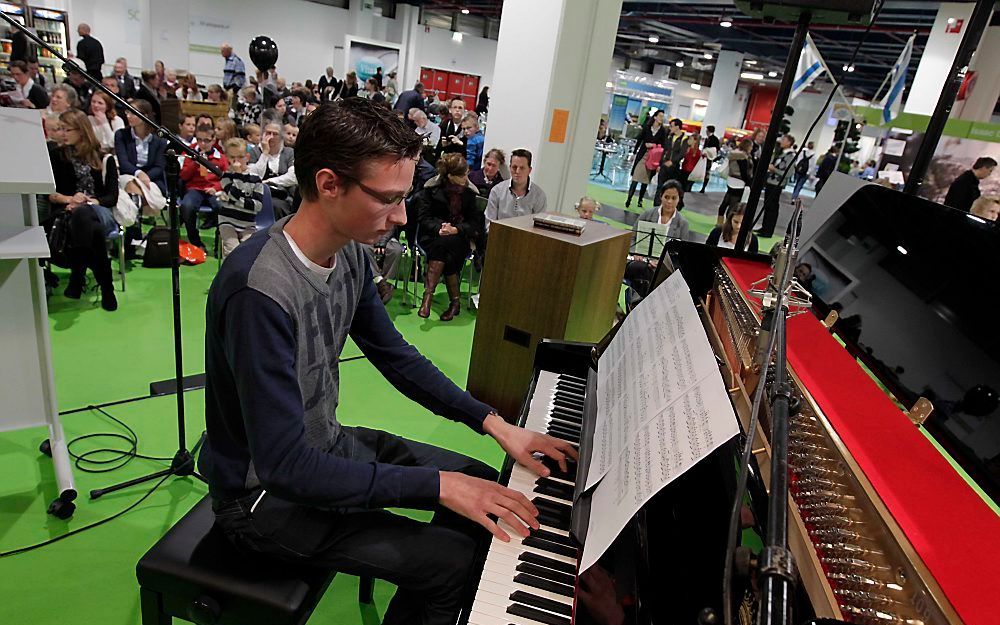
x: 194, y: 573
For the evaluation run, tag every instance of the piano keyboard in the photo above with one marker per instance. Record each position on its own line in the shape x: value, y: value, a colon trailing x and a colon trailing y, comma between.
x: 531, y: 581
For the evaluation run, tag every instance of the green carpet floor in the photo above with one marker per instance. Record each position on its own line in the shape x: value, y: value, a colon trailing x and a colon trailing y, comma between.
x: 101, y: 357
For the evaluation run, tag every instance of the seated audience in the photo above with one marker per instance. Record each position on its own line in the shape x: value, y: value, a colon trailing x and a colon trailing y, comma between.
x: 215, y: 93
x: 452, y: 137
x: 372, y: 91
x: 188, y: 89
x: 126, y: 82
x: 32, y: 94
x: 725, y: 235
x: 170, y: 84
x: 104, y: 120
x: 520, y: 196
x: 449, y: 222
x: 473, y: 141
x: 186, y: 130
x: 274, y: 163
x: 225, y: 129
x: 201, y: 184
x: 384, y: 255
x: 140, y: 153
x: 431, y: 133
x: 639, y: 272
x: 586, y: 207
x: 75, y: 80
x: 148, y: 91
x: 251, y: 133
x: 86, y: 186
x: 489, y: 176
x: 986, y: 207
x: 241, y: 198
x: 249, y: 107
x: 290, y: 134
x: 62, y: 99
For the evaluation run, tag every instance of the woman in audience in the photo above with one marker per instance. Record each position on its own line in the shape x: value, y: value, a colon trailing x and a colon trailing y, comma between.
x: 372, y: 92
x: 274, y: 163
x: 86, y: 186
x: 725, y: 235
x: 104, y: 119
x: 489, y: 176
x: 350, y: 86
x: 62, y: 99
x: 189, y: 88
x: 639, y: 273
x: 691, y: 158
x: 140, y: 153
x: 653, y: 134
x: 474, y: 141
x: 448, y: 221
x: 483, y: 103
x: 215, y: 93
x: 739, y: 175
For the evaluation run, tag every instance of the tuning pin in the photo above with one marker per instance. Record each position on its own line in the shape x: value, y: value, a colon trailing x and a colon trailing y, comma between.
x: 847, y: 548
x: 878, y: 616
x: 810, y: 483
x: 822, y: 495
x: 830, y: 520
x: 863, y: 597
x: 835, y: 534
x: 810, y: 457
x: 851, y: 580
x: 852, y: 564
x: 803, y: 446
x: 817, y: 471
x: 806, y: 433
x: 824, y: 507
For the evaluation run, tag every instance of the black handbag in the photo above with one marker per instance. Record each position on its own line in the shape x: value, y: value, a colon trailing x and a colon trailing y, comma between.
x: 59, y: 243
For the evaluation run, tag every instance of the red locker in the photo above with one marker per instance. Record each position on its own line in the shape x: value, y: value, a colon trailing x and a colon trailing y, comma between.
x: 471, y: 85
x: 456, y: 84
x: 441, y: 81
x: 427, y: 77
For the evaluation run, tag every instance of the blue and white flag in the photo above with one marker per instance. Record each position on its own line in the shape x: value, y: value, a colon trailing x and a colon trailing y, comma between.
x: 811, y: 65
x: 893, y: 100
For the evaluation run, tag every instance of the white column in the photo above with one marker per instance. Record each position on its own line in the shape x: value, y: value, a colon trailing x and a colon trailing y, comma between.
x: 978, y: 106
x: 725, y: 110
x: 939, y: 53
x: 362, y: 18
x: 552, y: 59
x: 409, y: 70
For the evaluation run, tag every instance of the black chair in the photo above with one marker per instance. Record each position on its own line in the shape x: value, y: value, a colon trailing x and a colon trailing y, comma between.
x: 194, y: 573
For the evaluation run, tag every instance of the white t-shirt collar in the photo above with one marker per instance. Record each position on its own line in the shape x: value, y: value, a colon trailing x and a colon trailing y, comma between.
x: 322, y: 272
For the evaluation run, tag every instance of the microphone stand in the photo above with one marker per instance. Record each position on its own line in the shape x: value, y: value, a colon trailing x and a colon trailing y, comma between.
x: 183, y: 460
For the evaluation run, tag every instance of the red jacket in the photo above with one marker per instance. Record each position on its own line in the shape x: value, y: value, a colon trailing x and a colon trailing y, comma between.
x: 691, y: 158
x: 191, y: 172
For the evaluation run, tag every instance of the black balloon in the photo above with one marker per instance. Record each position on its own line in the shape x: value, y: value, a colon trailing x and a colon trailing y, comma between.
x: 980, y: 400
x: 263, y: 52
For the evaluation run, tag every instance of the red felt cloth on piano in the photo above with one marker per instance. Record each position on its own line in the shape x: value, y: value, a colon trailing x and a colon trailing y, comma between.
x: 955, y: 533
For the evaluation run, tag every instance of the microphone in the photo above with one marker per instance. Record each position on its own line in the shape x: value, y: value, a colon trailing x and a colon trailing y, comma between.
x: 778, y: 269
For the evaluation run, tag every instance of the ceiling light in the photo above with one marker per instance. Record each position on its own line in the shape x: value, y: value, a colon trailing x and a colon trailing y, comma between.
x: 456, y: 36
x: 750, y: 62
x: 751, y: 76
x: 679, y: 63
x: 696, y: 86
x: 850, y: 68
x: 902, y: 250
x: 773, y: 74
x: 608, y: 85
x: 465, y: 11
x: 708, y: 55
x: 951, y: 20
x: 725, y: 23
x: 654, y: 39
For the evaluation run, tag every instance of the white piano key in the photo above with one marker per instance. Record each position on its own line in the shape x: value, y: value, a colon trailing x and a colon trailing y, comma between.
x: 505, y: 578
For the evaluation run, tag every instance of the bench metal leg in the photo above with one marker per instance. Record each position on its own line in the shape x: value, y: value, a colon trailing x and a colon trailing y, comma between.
x: 366, y: 588
x: 151, y: 609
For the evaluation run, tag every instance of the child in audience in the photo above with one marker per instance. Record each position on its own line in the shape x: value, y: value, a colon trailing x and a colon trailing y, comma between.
x: 201, y: 184
x: 251, y: 133
x: 241, y: 198
x: 586, y: 207
x: 225, y: 129
x: 291, y: 134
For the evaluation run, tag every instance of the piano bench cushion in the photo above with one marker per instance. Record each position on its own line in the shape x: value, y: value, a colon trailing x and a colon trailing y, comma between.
x: 195, y: 561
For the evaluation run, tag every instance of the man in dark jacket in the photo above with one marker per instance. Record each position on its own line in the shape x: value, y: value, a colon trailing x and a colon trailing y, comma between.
x: 826, y: 167
x: 964, y: 190
x: 90, y: 51
x: 673, y: 153
x: 33, y: 94
x: 410, y: 99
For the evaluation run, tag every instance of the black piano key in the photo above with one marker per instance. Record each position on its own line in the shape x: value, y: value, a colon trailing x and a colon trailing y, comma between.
x: 572, y: 438
x: 543, y: 584
x: 554, y: 491
x: 566, y: 425
x: 553, y: 520
x: 569, y: 475
x: 552, y: 537
x: 568, y: 430
x: 569, y: 398
x: 555, y: 506
x: 574, y: 416
x: 573, y: 379
x: 549, y: 574
x: 568, y: 406
x: 549, y: 563
x: 538, y: 615
x: 544, y: 545
x: 527, y: 598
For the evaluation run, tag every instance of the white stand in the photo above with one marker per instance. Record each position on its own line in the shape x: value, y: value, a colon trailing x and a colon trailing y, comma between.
x: 27, y: 385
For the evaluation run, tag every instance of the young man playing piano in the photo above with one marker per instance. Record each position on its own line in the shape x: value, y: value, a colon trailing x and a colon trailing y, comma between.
x: 285, y: 477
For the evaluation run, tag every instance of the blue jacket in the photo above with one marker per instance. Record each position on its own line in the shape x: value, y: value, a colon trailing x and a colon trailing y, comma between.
x: 474, y: 151
x: 156, y: 161
x: 408, y: 100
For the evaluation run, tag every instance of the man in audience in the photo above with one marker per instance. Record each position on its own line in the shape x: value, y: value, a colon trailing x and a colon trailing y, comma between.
x: 826, y: 167
x: 431, y: 133
x: 378, y: 78
x: 126, y: 82
x: 234, y: 74
x: 412, y: 99
x: 384, y: 255
x: 777, y: 176
x: 520, y: 196
x: 34, y: 71
x: 90, y: 51
x: 965, y: 188
x: 33, y: 96
x: 711, y: 151
x: 201, y: 184
x: 673, y: 153
x: 452, y: 136
x: 986, y: 207
x: 147, y: 91
x: 803, y: 168
x: 76, y: 80
x: 276, y: 457
x: 327, y: 80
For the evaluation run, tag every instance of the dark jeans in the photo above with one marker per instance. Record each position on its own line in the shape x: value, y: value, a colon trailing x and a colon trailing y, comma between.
x: 429, y: 562
x: 772, y: 196
x: 800, y: 181
x: 730, y: 200
x: 190, y: 203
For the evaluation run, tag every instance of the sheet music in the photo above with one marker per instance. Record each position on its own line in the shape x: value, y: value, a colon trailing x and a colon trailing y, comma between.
x: 662, y: 407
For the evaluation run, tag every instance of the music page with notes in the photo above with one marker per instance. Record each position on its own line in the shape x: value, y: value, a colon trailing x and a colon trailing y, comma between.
x: 662, y: 407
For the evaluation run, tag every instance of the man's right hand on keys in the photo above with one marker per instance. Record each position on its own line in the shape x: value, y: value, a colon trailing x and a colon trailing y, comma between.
x: 476, y: 499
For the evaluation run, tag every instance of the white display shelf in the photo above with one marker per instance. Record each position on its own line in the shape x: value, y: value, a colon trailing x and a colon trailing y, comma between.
x: 24, y: 242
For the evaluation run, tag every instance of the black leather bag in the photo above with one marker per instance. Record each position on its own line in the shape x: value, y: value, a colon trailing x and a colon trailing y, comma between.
x: 157, y: 252
x: 59, y: 243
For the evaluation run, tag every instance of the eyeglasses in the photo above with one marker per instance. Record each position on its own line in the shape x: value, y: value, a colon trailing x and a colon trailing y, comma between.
x: 386, y: 202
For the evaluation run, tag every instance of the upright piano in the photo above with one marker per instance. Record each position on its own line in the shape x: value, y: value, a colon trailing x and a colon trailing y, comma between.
x: 885, y: 527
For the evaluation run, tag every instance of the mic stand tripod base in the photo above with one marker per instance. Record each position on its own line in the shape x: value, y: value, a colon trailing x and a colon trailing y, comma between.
x: 181, y: 466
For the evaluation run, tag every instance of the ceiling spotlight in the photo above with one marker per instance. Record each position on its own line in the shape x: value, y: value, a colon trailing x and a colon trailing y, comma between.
x: 726, y: 22
x: 772, y: 74
x: 901, y: 250
x: 456, y: 36
x: 844, y: 68
x: 679, y: 63
x: 696, y: 86
x: 750, y: 62
x: 850, y: 68
x: 465, y: 11
x: 608, y: 85
x: 708, y: 55
x: 751, y: 76
x: 654, y: 39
